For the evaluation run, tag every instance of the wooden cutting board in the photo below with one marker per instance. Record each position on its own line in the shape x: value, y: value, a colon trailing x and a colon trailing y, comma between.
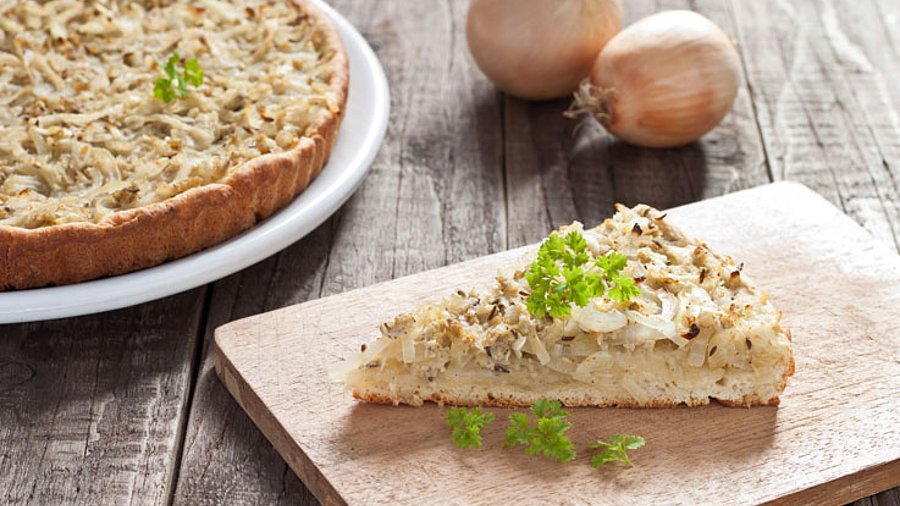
x: 835, y: 437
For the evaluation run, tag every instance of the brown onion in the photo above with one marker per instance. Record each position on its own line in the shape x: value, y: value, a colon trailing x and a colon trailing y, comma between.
x: 664, y: 81
x: 539, y: 49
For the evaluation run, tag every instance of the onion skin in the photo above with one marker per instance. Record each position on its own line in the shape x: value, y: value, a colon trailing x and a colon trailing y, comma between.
x: 540, y: 49
x: 664, y: 81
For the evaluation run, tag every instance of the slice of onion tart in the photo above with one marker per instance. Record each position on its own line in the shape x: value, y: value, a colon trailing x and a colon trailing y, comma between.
x: 631, y: 313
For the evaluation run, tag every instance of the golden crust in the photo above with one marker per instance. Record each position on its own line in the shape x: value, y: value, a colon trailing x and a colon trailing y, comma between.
x: 196, y: 219
x: 510, y: 402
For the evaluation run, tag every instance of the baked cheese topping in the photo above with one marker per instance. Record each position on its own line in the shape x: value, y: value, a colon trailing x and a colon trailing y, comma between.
x: 693, y: 305
x: 81, y: 134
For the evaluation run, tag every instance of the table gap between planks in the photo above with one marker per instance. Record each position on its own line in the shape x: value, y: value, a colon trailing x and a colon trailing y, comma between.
x: 124, y: 407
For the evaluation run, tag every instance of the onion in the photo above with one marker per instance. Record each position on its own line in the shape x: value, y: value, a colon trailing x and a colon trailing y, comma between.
x: 725, y: 350
x: 582, y: 346
x: 518, y: 344
x: 697, y: 350
x: 536, y: 347
x: 359, y: 359
x: 669, y: 304
x: 539, y: 49
x: 408, y: 347
x: 664, y: 327
x: 636, y: 333
x: 599, y: 360
x: 664, y: 81
x: 562, y: 366
x: 591, y: 320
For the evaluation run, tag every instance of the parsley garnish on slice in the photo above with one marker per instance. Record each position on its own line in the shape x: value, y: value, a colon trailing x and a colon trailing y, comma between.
x: 176, y: 81
x: 466, y: 426
x: 621, y: 287
x: 546, y: 436
x: 616, y: 450
x: 564, y: 274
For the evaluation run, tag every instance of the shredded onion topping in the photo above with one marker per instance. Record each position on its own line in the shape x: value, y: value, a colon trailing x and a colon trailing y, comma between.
x: 83, y: 135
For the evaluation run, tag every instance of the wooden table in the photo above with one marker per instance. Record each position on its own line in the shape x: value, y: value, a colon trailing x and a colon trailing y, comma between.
x: 124, y: 407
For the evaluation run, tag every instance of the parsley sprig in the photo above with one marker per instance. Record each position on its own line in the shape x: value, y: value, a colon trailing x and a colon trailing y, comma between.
x: 616, y: 450
x: 565, y: 273
x: 176, y: 81
x: 466, y: 426
x: 546, y: 436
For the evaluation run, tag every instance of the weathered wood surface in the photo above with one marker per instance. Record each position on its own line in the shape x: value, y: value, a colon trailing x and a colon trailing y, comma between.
x: 820, y: 105
x: 825, y: 81
x: 810, y: 450
x: 92, y: 409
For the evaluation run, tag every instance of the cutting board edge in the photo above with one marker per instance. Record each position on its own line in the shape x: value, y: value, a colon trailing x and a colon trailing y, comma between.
x: 514, y: 251
x: 846, y: 489
x: 267, y: 422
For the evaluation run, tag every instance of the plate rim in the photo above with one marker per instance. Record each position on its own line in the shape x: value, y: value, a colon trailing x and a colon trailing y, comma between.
x: 288, y: 225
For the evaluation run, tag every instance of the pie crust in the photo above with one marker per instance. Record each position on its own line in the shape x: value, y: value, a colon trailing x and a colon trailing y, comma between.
x: 198, y: 218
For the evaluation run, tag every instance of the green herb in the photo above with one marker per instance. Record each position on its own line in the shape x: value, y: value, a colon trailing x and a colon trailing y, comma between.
x: 546, y: 436
x: 563, y: 274
x: 622, y: 287
x: 176, y: 81
x: 466, y: 426
x: 616, y: 450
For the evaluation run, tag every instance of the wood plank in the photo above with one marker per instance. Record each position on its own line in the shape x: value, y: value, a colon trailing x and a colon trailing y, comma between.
x: 91, y: 408
x: 887, y: 498
x: 430, y: 199
x: 559, y: 170
x: 811, y: 449
x: 824, y: 102
x: 226, y: 460
x: 825, y: 82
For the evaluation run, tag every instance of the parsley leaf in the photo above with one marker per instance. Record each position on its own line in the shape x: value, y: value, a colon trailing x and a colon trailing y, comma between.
x: 563, y: 274
x: 616, y: 450
x: 163, y: 90
x: 191, y: 75
x: 623, y: 289
x: 466, y: 426
x: 612, y: 263
x: 546, y: 436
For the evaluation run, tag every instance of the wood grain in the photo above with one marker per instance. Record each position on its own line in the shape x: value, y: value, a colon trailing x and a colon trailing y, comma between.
x: 225, y: 459
x: 822, y: 85
x: 429, y: 200
x: 828, y: 442
x: 820, y: 105
x: 90, y: 408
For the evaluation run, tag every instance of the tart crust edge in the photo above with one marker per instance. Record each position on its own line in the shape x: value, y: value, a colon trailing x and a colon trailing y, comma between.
x: 189, y: 222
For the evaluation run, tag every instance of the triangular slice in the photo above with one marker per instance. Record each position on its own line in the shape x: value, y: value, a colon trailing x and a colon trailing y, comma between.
x: 692, y: 330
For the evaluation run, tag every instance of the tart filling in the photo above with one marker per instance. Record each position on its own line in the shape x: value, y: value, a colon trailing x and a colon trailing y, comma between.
x: 83, y: 135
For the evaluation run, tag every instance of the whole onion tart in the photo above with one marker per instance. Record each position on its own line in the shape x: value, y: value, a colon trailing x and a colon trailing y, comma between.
x: 98, y: 176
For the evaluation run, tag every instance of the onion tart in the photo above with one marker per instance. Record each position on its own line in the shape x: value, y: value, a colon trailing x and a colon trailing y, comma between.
x: 631, y: 313
x: 138, y: 132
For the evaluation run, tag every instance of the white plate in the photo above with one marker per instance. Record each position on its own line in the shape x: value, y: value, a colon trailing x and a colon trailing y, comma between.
x: 357, y: 144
